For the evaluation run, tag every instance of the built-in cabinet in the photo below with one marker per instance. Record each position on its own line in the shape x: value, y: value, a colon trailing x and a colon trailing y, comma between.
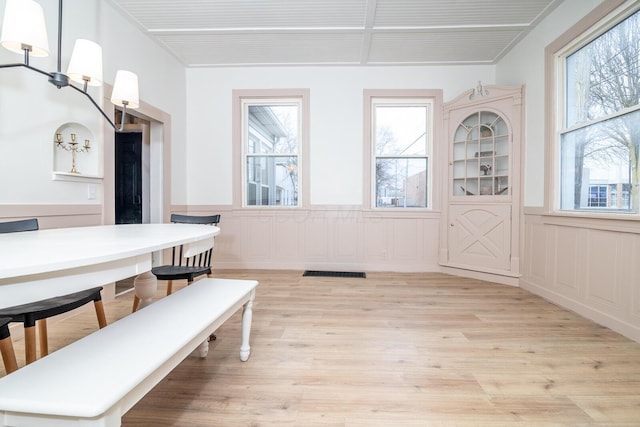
x: 481, y: 220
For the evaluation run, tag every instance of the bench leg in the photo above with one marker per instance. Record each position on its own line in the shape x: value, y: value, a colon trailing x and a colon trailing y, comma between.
x: 203, y: 350
x: 145, y: 286
x: 247, y: 315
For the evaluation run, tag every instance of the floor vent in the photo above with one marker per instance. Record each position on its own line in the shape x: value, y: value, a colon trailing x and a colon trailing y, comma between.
x: 317, y: 273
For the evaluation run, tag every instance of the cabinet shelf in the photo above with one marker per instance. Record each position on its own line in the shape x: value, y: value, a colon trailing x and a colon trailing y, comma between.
x: 481, y: 156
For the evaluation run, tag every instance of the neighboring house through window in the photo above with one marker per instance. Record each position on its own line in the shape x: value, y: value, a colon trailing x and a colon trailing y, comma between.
x: 269, y: 142
x: 597, y: 196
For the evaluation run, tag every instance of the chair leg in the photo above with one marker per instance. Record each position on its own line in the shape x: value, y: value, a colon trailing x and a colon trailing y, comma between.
x: 169, y: 287
x: 136, y: 303
x: 102, y: 318
x: 30, y: 344
x: 43, y: 337
x: 8, y: 355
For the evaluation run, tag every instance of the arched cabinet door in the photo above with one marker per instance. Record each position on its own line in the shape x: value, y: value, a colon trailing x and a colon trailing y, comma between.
x: 481, y: 219
x: 481, y: 149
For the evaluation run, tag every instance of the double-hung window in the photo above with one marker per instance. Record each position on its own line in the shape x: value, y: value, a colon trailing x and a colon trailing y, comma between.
x: 271, y: 140
x: 599, y: 119
x: 401, y: 141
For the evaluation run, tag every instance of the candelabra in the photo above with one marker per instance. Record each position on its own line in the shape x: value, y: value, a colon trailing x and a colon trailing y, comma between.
x: 73, y: 147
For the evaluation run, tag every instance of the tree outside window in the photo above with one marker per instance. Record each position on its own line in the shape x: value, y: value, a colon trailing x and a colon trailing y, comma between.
x: 402, y: 136
x: 600, y: 136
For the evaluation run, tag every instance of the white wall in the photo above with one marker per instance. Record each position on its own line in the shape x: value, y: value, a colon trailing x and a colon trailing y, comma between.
x: 525, y: 65
x: 31, y: 109
x: 336, y: 95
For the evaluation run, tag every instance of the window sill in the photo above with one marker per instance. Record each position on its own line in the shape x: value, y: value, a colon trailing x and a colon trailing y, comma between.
x: 624, y: 223
x: 400, y: 213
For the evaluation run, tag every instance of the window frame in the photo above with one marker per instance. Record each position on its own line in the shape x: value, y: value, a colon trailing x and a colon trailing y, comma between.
x: 243, y: 97
x: 597, y: 22
x: 373, y: 97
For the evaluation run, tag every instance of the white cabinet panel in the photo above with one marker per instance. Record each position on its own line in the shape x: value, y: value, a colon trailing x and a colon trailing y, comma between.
x: 480, y: 236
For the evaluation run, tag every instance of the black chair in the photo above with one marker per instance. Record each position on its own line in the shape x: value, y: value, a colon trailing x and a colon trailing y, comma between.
x: 38, y: 312
x: 182, y: 268
x: 6, y: 346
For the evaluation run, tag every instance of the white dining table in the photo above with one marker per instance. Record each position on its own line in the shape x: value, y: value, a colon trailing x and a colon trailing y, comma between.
x: 45, y: 263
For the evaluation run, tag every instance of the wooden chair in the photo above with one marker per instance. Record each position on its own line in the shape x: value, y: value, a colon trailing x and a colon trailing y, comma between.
x: 181, y: 267
x: 6, y: 347
x: 38, y: 312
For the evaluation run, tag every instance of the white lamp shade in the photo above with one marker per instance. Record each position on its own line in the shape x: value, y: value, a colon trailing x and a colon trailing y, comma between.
x: 23, y: 24
x: 86, y: 63
x: 125, y: 88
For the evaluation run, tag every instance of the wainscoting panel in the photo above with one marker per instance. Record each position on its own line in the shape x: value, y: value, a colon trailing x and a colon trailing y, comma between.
x: 315, y: 238
x: 603, y: 274
x: 287, y: 233
x: 347, y: 239
x: 634, y: 271
x: 54, y: 216
x: 408, y: 240
x: 593, y: 270
x: 375, y: 238
x: 326, y: 239
x: 259, y: 230
x: 536, y: 252
x: 228, y: 246
x: 568, y: 253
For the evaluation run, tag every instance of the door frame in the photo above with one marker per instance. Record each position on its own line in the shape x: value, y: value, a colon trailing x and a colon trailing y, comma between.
x: 160, y: 157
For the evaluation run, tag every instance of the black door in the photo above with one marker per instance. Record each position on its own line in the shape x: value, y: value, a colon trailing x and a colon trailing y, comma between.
x: 128, y: 178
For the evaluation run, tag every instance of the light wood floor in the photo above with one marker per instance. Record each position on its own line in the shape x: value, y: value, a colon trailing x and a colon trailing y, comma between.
x: 393, y: 350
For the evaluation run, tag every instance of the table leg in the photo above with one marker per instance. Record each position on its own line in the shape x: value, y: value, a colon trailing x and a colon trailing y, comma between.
x: 145, y: 286
x: 247, y: 315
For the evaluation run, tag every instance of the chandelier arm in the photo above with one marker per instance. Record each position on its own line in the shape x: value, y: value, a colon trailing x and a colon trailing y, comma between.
x: 95, y: 104
x: 19, y: 64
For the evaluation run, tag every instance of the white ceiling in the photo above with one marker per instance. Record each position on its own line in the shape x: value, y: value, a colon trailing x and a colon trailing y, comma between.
x: 209, y: 33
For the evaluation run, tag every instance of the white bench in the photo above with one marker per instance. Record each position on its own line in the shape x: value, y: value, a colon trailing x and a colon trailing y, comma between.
x: 97, y: 379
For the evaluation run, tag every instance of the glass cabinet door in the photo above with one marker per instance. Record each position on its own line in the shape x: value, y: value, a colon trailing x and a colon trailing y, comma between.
x: 481, y: 156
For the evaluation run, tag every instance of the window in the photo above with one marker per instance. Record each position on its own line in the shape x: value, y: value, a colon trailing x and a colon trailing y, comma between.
x: 597, y: 196
x: 271, y: 140
x: 401, y: 139
x: 599, y: 122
